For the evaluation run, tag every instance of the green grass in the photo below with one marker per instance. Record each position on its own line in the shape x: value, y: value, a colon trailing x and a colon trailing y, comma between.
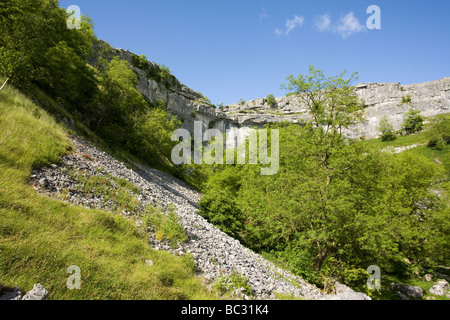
x: 440, y: 155
x: 41, y: 237
x: 421, y: 139
x: 388, y: 294
x: 400, y: 141
x: 119, y: 191
x: 165, y: 225
x: 284, y: 296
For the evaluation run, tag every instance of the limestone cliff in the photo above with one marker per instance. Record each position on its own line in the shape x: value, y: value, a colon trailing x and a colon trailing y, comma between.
x: 431, y: 98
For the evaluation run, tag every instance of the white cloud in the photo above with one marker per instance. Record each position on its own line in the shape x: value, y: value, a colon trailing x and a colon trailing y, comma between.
x: 291, y: 24
x: 278, y: 32
x: 263, y: 14
x: 348, y: 25
x: 323, y: 22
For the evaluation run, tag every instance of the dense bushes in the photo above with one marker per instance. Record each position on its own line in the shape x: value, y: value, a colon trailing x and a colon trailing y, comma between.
x: 336, y: 206
x: 439, y: 131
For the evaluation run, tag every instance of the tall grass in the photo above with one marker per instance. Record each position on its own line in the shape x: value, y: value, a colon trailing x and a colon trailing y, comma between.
x: 41, y: 237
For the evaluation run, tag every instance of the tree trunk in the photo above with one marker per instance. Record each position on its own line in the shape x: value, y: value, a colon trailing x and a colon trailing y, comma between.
x: 320, y: 258
x: 4, y: 83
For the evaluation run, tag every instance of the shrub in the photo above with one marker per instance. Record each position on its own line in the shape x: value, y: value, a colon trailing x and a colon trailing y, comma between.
x: 386, y: 129
x: 166, y: 225
x: 140, y: 62
x: 228, y: 284
x: 412, y: 121
x: 439, y: 131
x: 406, y: 100
x: 271, y: 100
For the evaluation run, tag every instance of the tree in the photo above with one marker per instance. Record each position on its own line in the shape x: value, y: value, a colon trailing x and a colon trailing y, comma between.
x: 219, y: 205
x: 332, y: 105
x: 439, y: 131
x: 386, y: 129
x: 37, y: 47
x: 309, y: 194
x: 22, y: 42
x: 412, y: 121
x: 154, y: 131
x: 121, y: 102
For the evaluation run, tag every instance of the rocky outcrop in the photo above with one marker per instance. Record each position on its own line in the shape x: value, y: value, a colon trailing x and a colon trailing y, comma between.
x: 430, y: 98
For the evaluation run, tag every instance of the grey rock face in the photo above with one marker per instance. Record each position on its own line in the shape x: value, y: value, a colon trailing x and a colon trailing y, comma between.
x: 431, y: 98
x: 410, y: 291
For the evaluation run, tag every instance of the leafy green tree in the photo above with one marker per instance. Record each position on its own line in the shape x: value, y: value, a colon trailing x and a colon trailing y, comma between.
x: 125, y: 119
x: 386, y: 129
x: 36, y: 47
x: 439, y: 131
x: 332, y: 105
x: 120, y: 100
x: 219, y: 204
x: 412, y: 121
x: 154, y: 131
x: 22, y: 42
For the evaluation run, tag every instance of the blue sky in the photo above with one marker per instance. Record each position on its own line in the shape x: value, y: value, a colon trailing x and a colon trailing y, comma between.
x: 230, y: 49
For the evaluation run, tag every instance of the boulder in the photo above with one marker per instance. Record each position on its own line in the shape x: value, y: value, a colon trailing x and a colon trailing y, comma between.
x: 37, y: 293
x: 443, y: 284
x: 402, y: 296
x: 410, y: 291
x: 13, y: 294
x: 439, y: 289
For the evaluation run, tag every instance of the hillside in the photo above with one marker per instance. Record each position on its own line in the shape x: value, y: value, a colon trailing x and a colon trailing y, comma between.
x: 88, y: 179
x: 42, y: 236
x: 112, y: 233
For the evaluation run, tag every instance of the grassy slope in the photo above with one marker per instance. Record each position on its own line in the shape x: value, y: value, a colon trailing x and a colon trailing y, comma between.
x: 41, y: 237
x: 421, y: 140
